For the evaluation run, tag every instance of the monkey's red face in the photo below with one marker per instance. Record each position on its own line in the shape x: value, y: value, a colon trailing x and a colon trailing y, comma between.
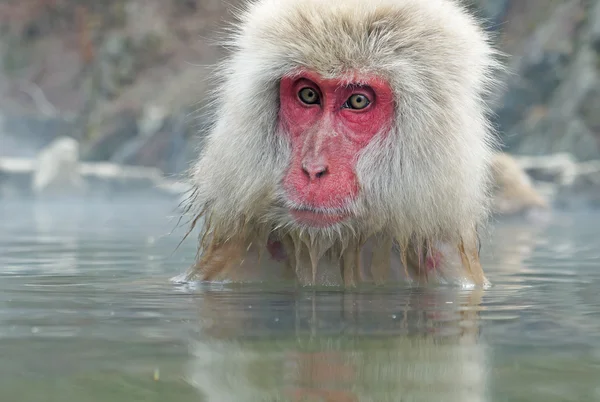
x: 329, y: 122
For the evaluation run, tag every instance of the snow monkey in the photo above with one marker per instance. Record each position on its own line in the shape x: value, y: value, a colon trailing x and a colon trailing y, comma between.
x: 350, y: 144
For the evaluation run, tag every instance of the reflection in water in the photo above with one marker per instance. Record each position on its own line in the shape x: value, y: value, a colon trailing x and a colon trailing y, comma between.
x: 512, y: 244
x: 409, y: 345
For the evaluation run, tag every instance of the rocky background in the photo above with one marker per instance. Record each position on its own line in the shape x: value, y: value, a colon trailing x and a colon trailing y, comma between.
x: 124, y: 81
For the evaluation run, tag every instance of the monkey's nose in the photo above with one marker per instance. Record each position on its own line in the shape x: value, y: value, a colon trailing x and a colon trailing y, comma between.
x: 314, y: 171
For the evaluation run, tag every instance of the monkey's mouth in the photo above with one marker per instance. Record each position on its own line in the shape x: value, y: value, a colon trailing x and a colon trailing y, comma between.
x: 317, y: 218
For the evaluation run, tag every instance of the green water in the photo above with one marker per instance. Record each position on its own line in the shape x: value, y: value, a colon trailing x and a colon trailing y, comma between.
x: 88, y: 313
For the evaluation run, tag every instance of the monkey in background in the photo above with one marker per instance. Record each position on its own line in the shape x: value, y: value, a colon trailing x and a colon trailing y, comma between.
x: 350, y: 143
x: 514, y: 192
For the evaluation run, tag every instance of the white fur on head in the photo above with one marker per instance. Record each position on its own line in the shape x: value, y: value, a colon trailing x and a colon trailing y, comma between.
x: 427, y: 178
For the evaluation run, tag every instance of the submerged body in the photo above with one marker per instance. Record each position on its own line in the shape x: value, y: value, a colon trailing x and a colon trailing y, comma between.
x: 350, y: 143
x: 374, y: 263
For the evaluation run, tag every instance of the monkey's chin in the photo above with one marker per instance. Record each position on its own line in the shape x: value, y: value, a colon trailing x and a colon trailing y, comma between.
x: 317, y: 219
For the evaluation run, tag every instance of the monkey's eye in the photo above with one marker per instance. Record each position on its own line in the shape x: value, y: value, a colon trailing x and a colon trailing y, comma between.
x: 357, y: 102
x: 308, y: 96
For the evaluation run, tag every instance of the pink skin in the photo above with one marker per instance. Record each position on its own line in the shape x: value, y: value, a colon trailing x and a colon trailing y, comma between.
x: 326, y: 137
x: 434, y: 260
x: 276, y: 250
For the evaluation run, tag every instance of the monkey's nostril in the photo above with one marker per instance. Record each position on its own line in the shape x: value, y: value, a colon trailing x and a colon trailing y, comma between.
x: 320, y: 174
x: 315, y: 171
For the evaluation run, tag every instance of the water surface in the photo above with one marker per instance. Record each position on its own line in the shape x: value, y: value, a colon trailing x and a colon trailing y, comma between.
x: 87, y: 313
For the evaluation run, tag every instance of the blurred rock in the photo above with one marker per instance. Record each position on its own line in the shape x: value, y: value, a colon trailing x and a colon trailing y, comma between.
x: 589, y: 107
x: 103, y: 65
x: 162, y: 142
x: 99, y: 179
x: 493, y: 11
x: 116, y: 62
x: 550, y: 102
x: 57, y: 169
x: 110, y: 179
x: 559, y: 169
x: 584, y: 190
x: 26, y: 135
x: 110, y: 135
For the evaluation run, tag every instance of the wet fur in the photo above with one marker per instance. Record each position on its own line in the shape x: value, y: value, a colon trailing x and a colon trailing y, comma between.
x: 427, y: 181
